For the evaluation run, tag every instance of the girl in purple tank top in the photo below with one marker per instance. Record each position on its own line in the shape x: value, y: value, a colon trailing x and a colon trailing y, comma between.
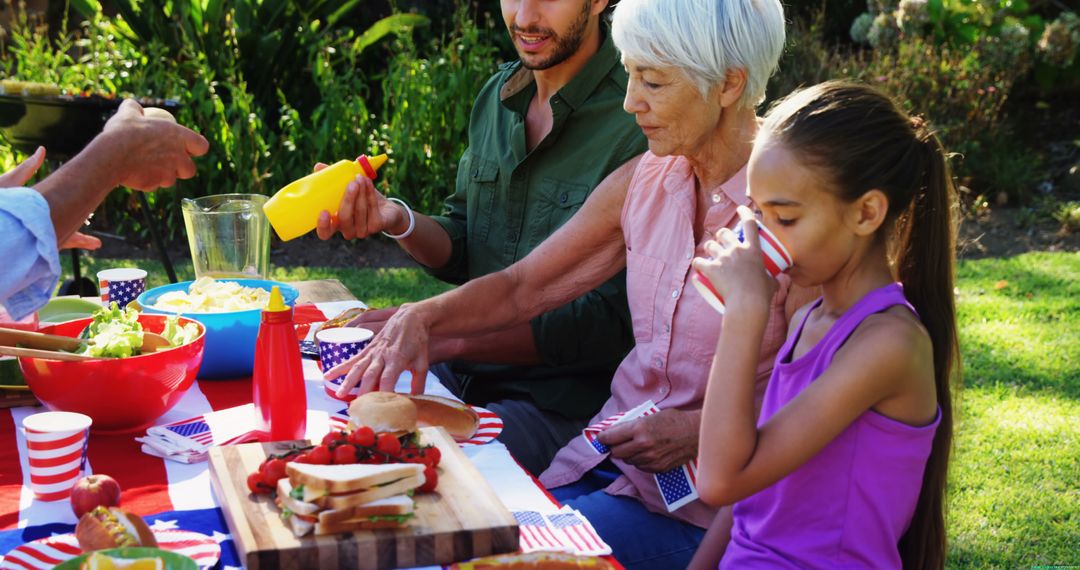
x: 845, y: 467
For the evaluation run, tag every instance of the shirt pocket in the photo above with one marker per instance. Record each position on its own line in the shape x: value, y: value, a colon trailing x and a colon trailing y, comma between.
x: 560, y: 200
x: 642, y: 282
x: 481, y: 176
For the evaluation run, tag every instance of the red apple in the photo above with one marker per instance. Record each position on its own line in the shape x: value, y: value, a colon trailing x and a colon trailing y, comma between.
x: 93, y: 491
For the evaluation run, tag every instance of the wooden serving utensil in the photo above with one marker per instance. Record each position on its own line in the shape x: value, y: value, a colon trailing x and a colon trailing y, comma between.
x: 153, y: 342
x: 40, y: 342
x: 49, y: 354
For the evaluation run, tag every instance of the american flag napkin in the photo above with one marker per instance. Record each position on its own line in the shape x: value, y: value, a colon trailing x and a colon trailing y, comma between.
x: 678, y: 487
x: 187, y: 441
x: 590, y: 433
x: 565, y: 530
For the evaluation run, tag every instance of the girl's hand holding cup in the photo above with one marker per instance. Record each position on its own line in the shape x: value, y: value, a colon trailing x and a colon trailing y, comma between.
x: 742, y: 267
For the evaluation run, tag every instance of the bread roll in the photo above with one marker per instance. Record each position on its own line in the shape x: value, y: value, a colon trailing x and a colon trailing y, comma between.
x: 460, y: 421
x: 383, y: 412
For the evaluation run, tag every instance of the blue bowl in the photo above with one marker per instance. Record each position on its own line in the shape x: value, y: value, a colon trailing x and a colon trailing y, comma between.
x: 230, y: 336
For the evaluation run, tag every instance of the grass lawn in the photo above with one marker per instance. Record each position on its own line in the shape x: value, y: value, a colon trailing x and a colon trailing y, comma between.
x: 1015, y: 481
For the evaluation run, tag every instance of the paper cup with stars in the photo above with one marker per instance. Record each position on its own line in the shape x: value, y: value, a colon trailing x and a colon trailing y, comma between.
x: 337, y: 345
x: 121, y: 285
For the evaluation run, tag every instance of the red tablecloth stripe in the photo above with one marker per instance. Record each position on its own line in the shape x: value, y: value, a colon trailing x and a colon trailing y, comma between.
x: 10, y: 474
x: 142, y: 477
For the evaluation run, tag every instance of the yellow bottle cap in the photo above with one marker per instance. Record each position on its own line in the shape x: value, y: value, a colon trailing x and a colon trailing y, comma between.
x: 277, y: 302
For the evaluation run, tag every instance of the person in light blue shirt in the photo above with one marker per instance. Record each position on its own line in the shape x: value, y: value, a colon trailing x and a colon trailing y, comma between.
x: 143, y: 149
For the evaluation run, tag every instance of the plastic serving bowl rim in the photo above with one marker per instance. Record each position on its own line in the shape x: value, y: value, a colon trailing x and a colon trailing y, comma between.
x: 289, y: 293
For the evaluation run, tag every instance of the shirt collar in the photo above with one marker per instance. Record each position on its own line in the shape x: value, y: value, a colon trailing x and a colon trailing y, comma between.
x: 577, y: 91
x: 681, y: 177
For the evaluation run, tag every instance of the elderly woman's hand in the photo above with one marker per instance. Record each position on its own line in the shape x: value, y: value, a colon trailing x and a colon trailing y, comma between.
x: 655, y: 443
x: 401, y: 345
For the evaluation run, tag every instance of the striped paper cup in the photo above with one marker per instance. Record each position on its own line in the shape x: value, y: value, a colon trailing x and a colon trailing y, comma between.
x: 56, y: 452
x: 121, y: 286
x: 776, y: 257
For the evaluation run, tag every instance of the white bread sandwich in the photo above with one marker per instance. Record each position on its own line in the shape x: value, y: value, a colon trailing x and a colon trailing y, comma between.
x: 303, y: 517
x: 342, y: 486
x: 342, y: 498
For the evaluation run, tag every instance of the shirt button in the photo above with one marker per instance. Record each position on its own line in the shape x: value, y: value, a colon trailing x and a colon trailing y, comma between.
x: 689, y: 254
x: 667, y: 328
x: 659, y: 362
x: 476, y: 173
x: 675, y: 294
x: 663, y: 390
x: 562, y: 198
x: 716, y: 198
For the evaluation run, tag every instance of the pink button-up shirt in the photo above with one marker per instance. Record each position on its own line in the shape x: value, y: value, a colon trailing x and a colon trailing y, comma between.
x: 674, y: 328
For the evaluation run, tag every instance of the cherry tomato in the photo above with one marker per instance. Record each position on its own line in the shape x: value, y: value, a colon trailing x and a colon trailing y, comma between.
x: 272, y: 470
x: 335, y: 436
x: 344, y: 453
x: 433, y: 455
x: 388, y: 444
x: 256, y: 484
x: 431, y: 480
x: 362, y: 436
x: 319, y: 456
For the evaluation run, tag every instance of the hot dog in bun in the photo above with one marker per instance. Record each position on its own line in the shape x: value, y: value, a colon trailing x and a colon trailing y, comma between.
x: 110, y: 527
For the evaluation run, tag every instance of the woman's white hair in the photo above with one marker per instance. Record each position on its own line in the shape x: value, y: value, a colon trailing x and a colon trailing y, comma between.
x: 704, y: 38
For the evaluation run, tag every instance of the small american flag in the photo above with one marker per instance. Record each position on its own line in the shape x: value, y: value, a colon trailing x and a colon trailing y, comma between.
x: 578, y: 532
x: 193, y: 428
x: 536, y: 533
x: 187, y: 441
x: 678, y: 487
x: 592, y: 432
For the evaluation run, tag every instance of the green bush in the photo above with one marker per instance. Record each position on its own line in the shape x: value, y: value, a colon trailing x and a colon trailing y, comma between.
x: 427, y: 97
x: 274, y: 86
x: 962, y: 90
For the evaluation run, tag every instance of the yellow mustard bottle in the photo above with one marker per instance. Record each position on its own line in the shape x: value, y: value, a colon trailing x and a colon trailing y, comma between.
x: 294, y: 210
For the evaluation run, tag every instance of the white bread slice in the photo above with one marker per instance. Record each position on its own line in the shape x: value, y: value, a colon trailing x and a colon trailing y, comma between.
x: 284, y: 490
x: 300, y: 527
x: 336, y: 479
x: 393, y: 506
x: 362, y: 497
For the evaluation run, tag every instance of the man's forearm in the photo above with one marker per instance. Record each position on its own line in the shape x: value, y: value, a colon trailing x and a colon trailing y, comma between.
x: 515, y: 345
x: 76, y: 189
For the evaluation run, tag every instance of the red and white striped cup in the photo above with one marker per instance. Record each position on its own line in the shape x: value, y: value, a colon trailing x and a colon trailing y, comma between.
x: 776, y: 257
x: 56, y: 452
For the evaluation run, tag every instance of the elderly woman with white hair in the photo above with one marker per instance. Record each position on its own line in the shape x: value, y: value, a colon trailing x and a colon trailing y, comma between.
x: 698, y: 70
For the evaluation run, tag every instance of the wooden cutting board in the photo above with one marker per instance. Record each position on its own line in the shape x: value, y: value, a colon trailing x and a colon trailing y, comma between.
x: 463, y: 519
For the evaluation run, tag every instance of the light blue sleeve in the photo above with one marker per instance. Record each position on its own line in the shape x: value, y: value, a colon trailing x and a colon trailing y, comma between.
x: 31, y: 263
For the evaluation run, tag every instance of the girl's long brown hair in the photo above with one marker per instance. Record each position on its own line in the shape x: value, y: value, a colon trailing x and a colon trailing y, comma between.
x: 862, y: 140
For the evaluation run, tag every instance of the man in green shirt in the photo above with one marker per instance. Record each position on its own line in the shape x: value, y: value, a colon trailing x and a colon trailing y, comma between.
x: 544, y: 131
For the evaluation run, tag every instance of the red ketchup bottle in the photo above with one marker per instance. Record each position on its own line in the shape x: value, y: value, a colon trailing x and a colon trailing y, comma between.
x: 278, y: 381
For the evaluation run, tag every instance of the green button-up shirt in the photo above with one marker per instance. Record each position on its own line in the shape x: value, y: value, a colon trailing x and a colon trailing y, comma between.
x: 508, y: 200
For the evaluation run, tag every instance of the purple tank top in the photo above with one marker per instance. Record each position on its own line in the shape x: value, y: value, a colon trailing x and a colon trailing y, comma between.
x: 849, y: 505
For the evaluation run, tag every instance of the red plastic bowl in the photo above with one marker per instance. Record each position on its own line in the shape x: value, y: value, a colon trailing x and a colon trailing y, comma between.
x: 120, y: 394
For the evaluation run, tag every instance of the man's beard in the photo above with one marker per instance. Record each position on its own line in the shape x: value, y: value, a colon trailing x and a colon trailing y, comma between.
x: 565, y: 46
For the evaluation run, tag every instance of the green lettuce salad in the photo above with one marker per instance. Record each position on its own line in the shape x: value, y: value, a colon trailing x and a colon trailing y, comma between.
x: 116, y: 333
